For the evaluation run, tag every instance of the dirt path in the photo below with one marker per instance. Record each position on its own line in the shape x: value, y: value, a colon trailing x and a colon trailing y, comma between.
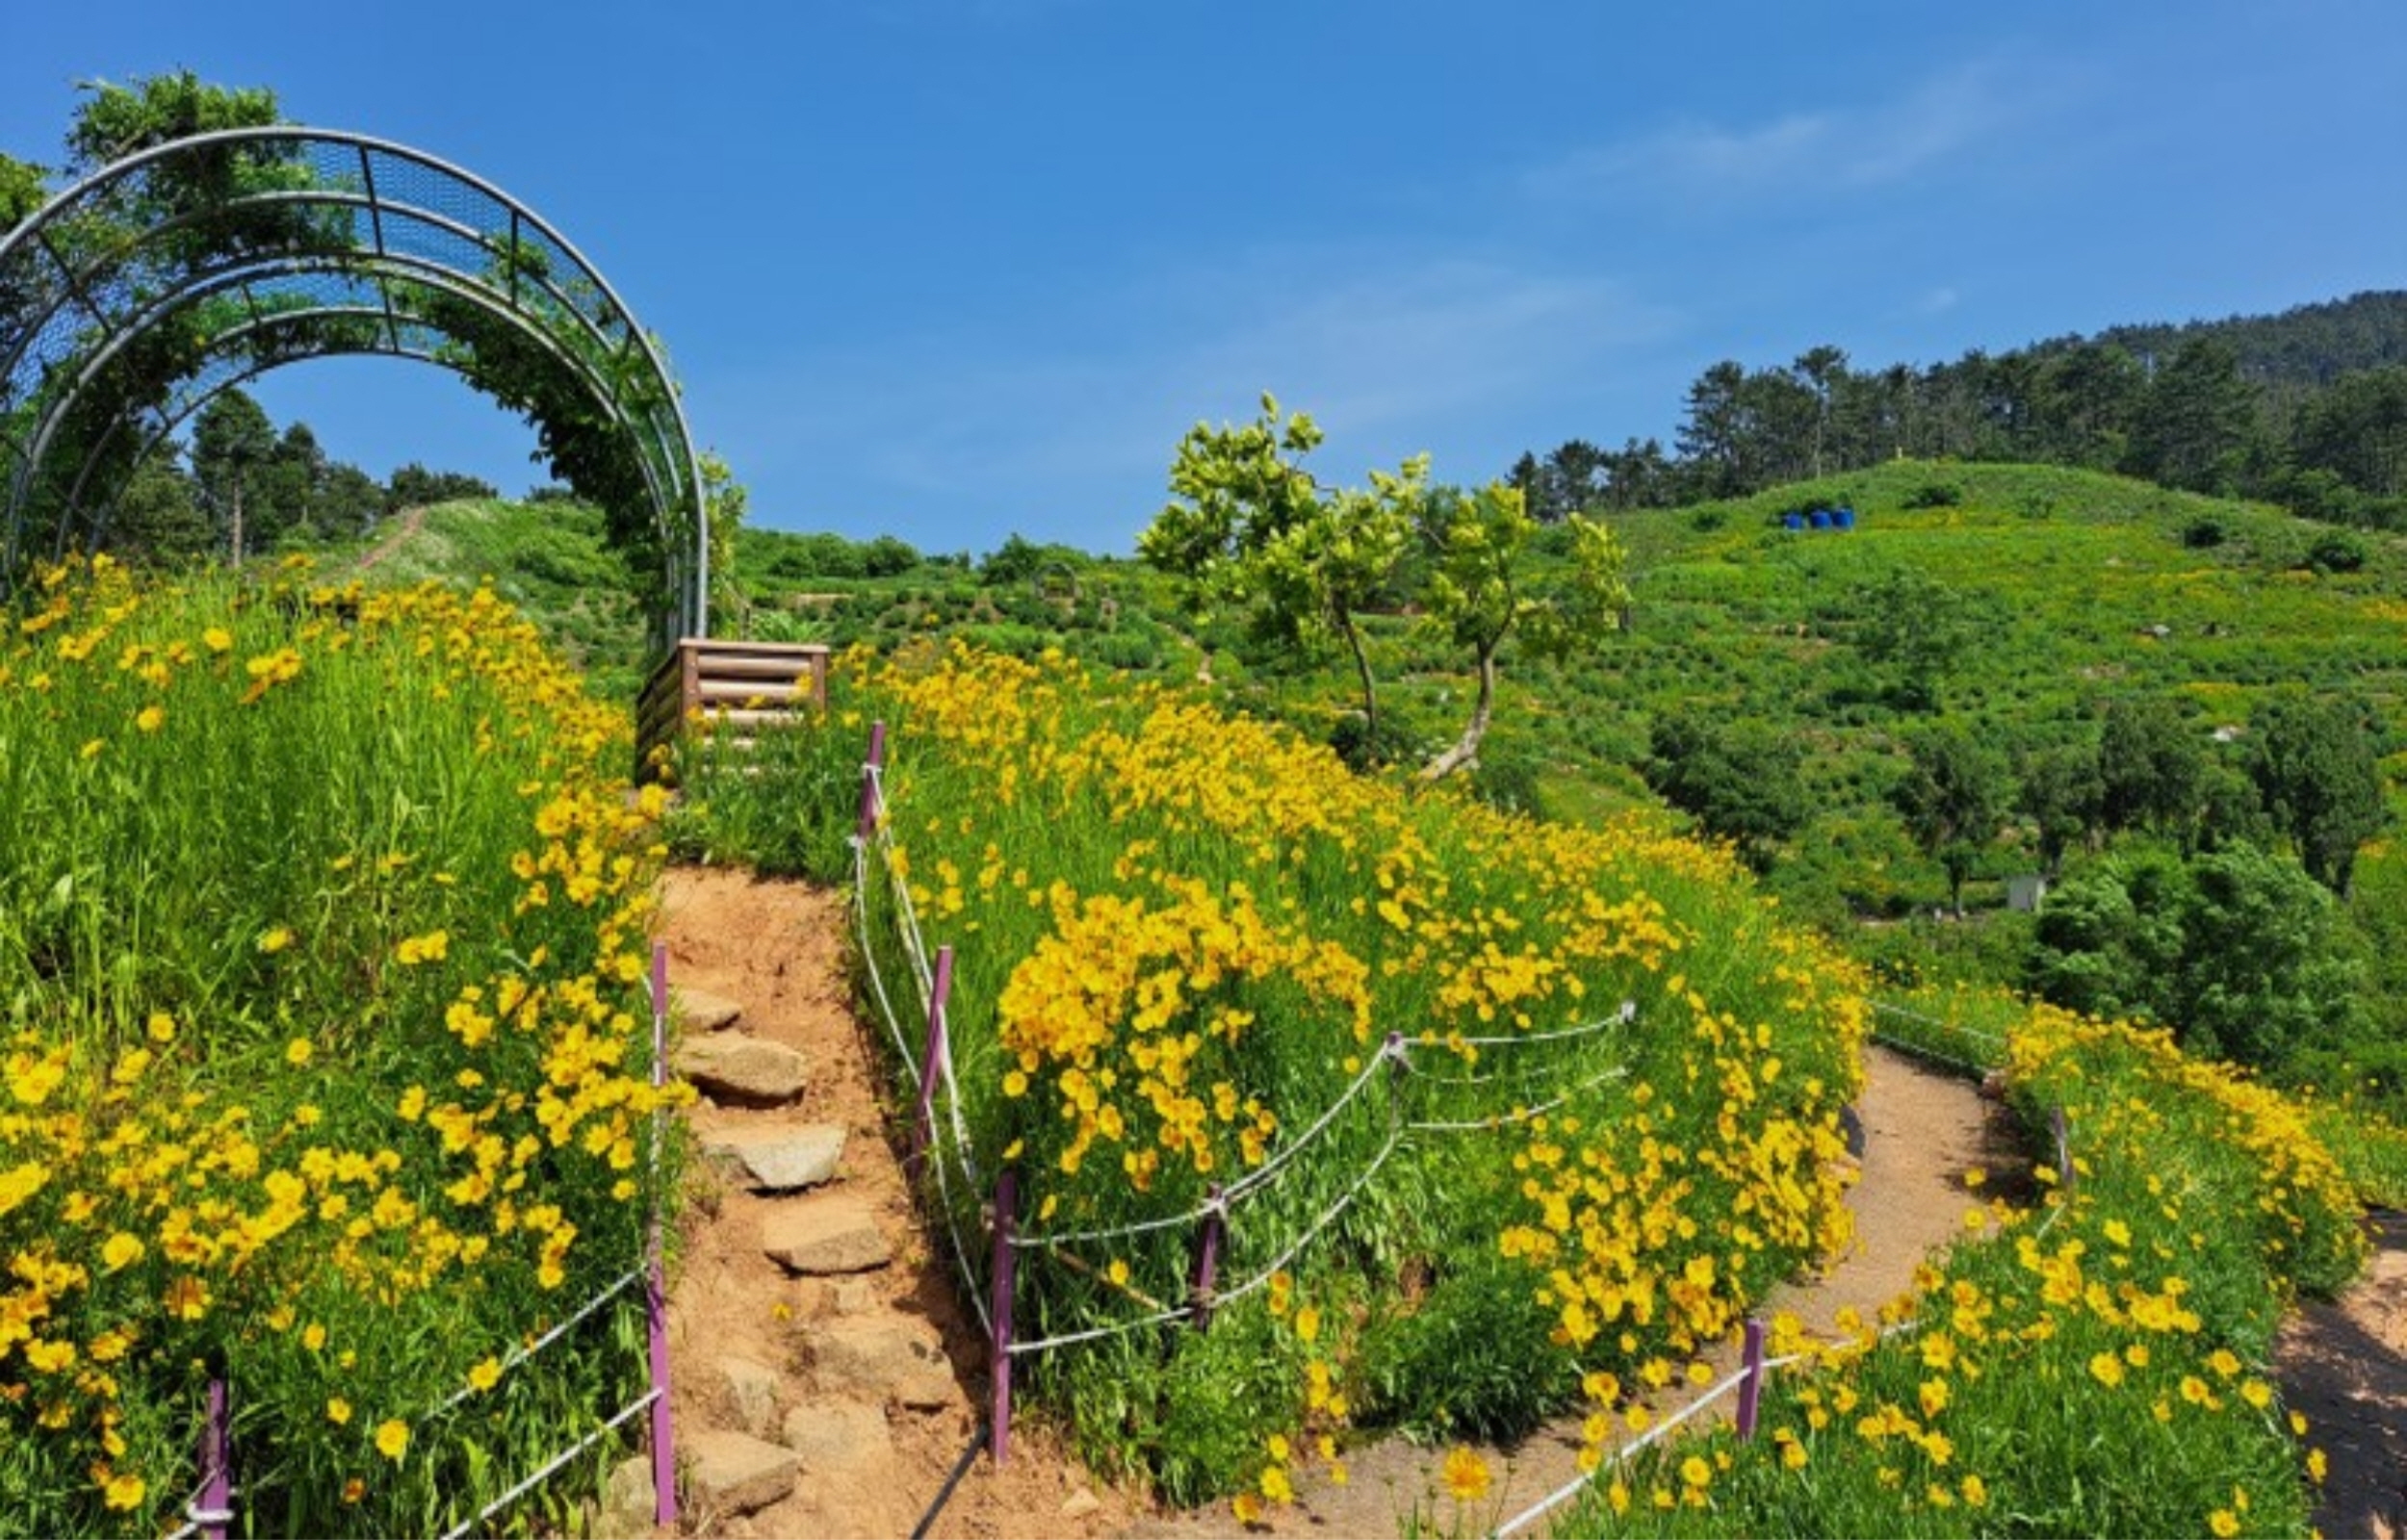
x: 401, y: 528
x: 748, y: 1336
x: 2344, y: 1365
x: 871, y: 1463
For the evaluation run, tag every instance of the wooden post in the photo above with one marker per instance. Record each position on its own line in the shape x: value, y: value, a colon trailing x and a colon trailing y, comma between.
x: 1006, y: 1218
x: 654, y: 1290
x: 2063, y: 1148
x: 870, y: 798
x: 214, y: 1509
x: 1751, y: 1387
x: 931, y: 1059
x: 1207, y: 1244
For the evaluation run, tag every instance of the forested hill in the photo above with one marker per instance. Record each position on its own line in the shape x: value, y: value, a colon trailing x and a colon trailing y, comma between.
x: 2307, y: 409
x: 2308, y: 345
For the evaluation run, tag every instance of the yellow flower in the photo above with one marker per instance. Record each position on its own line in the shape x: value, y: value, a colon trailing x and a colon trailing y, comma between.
x: 218, y: 639
x: 1696, y: 1474
x: 1976, y: 1492
x: 485, y: 1374
x: 392, y: 1438
x: 275, y: 939
x: 1275, y: 1485
x: 296, y: 1052
x: 432, y: 947
x: 338, y: 1411
x: 124, y: 1492
x: 2108, y: 1369
x: 150, y: 718
x: 161, y: 1027
x: 120, y: 1250
x: 1246, y: 1507
x: 1466, y: 1475
x: 2224, y: 1523
x: 1308, y: 1323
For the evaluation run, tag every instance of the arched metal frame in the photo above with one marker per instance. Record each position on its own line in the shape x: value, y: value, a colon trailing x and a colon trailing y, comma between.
x: 381, y: 231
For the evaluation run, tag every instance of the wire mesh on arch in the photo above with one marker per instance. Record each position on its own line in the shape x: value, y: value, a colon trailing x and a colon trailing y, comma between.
x: 134, y: 296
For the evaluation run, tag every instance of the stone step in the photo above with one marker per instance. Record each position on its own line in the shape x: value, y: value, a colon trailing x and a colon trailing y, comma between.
x: 731, y: 1068
x: 825, y: 1233
x: 728, y: 1473
x: 880, y: 1357
x: 701, y: 1011
x: 771, y: 1158
x: 840, y: 1438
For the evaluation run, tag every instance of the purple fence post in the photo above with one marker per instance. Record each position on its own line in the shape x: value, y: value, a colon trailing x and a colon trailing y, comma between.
x: 870, y: 798
x: 1207, y: 1258
x: 2063, y: 1147
x: 215, y: 1508
x: 1006, y: 1220
x: 932, y: 1060
x: 1751, y: 1387
x: 656, y: 1290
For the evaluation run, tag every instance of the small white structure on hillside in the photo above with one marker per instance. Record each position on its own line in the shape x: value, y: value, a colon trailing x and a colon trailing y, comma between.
x: 2025, y: 893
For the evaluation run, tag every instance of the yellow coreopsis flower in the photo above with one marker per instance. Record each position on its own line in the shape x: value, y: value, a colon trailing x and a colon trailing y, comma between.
x: 392, y: 1438
x: 1465, y: 1473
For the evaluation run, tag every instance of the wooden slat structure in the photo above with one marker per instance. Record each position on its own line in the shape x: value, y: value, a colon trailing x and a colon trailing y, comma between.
x: 743, y: 686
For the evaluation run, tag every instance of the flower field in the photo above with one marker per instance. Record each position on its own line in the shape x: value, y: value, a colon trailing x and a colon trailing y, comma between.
x: 326, y: 1073
x: 1484, y: 1107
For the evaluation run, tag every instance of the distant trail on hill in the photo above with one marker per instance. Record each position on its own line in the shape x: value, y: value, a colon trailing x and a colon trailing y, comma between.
x: 402, y: 527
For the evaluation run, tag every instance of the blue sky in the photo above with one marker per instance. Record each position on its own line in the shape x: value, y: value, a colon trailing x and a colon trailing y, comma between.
x: 956, y: 271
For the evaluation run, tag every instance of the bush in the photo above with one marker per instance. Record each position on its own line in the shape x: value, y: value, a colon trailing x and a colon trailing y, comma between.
x: 2336, y: 552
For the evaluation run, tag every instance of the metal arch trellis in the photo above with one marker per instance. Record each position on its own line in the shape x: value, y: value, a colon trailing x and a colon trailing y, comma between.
x: 317, y: 242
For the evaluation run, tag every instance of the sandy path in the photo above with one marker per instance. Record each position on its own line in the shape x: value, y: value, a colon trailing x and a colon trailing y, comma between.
x: 2344, y: 1364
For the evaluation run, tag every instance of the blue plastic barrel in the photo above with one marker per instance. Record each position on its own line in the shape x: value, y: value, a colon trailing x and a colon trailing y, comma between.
x: 1793, y: 521
x: 1820, y: 518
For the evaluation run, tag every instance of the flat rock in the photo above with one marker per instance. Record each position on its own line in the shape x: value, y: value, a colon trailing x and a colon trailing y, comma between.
x: 730, y: 1473
x: 776, y: 1160
x: 737, y: 1068
x: 751, y: 1393
x: 628, y: 1505
x: 701, y: 1011
x: 829, y: 1232
x: 839, y: 1437
x: 896, y: 1357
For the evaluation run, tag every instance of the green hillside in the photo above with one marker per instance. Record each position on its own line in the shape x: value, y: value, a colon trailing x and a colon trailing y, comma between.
x: 2034, y: 612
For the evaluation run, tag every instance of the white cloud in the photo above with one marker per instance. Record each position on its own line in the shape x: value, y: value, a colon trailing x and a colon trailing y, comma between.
x: 1842, y: 148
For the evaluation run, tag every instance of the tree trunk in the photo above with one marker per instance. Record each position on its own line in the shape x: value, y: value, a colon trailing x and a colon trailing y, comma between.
x: 1370, y: 685
x: 1466, y: 752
